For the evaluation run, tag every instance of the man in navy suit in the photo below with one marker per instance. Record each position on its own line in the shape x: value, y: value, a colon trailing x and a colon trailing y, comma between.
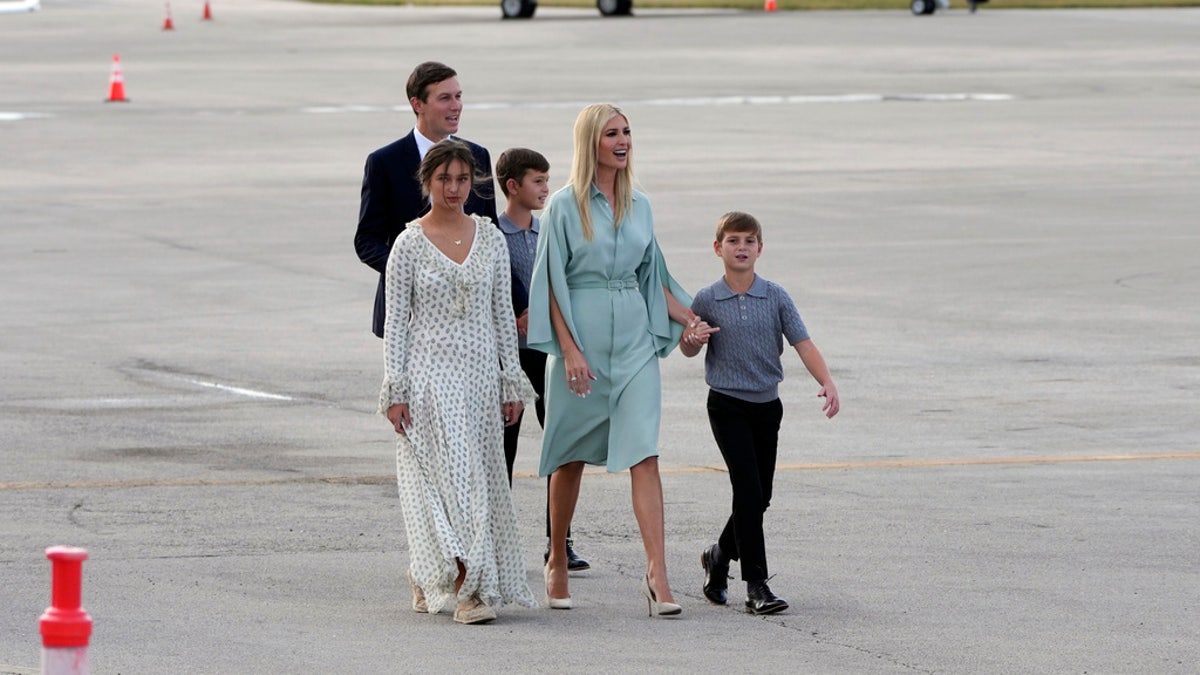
x: 391, y: 194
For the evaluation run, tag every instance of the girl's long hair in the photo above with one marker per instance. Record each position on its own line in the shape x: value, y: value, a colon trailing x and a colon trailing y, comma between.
x: 446, y: 151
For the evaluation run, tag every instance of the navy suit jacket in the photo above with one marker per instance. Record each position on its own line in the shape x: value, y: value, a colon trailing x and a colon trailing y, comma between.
x: 391, y: 198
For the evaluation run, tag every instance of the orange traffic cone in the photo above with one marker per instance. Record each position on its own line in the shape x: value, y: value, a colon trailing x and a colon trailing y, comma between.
x: 168, y: 24
x: 207, y: 12
x: 769, y: 6
x: 116, y: 83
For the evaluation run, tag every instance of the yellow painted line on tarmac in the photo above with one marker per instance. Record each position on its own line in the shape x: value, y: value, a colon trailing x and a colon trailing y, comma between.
x: 805, y: 466
x: 959, y: 461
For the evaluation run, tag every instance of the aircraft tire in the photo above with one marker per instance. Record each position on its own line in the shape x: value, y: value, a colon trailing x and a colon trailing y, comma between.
x: 518, y: 9
x: 615, y: 7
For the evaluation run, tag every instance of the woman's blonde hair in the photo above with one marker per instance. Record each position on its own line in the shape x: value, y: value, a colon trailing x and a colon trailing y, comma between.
x: 588, y: 128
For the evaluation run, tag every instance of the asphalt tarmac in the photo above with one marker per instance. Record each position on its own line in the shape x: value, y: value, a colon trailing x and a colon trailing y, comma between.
x: 988, y: 222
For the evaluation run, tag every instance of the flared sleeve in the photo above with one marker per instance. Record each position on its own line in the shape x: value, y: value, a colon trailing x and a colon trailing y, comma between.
x: 549, y: 272
x: 514, y: 385
x: 398, y: 288
x: 653, y: 277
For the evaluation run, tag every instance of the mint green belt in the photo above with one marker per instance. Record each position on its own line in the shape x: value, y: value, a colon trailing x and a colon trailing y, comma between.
x: 611, y: 284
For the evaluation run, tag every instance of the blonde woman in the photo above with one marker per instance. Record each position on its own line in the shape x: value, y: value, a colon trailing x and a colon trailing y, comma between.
x: 605, y: 309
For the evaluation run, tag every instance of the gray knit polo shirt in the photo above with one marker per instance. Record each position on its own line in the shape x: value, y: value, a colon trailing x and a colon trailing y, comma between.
x: 743, y: 357
x: 522, y: 249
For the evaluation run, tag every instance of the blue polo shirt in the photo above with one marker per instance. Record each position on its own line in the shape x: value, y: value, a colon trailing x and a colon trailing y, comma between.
x: 522, y: 249
x: 742, y: 359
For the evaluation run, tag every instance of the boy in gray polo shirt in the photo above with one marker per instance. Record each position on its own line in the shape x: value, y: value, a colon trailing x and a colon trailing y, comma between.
x: 745, y: 320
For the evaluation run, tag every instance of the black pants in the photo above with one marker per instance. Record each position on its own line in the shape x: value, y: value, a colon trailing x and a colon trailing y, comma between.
x: 748, y: 436
x: 533, y: 363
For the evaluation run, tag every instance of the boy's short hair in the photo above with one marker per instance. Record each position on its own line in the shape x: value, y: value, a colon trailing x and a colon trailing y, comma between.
x: 737, y: 221
x: 424, y: 76
x: 514, y: 162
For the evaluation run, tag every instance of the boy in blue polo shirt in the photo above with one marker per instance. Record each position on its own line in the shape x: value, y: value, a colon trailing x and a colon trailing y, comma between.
x: 745, y: 320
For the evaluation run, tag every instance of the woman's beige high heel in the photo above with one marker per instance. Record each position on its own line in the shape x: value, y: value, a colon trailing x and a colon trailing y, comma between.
x: 554, y: 603
x: 653, y: 606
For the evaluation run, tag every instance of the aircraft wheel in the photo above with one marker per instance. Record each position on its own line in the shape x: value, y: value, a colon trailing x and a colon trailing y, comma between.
x: 615, y: 7
x: 518, y: 9
x: 920, y: 7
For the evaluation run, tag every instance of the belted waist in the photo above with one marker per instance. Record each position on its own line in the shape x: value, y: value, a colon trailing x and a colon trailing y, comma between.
x: 611, y: 284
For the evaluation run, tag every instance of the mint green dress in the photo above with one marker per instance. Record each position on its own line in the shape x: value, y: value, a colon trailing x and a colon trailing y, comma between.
x: 610, y: 292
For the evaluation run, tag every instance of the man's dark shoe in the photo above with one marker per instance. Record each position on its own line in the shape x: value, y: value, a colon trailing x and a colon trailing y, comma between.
x: 574, y: 562
x: 716, y: 575
x: 760, y: 599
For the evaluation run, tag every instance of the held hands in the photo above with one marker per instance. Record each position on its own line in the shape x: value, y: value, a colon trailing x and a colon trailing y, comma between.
x: 399, y: 417
x: 695, y: 335
x: 697, y: 331
x: 832, y: 404
x: 523, y: 324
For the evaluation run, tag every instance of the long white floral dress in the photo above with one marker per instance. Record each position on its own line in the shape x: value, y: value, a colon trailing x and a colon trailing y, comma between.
x: 450, y: 347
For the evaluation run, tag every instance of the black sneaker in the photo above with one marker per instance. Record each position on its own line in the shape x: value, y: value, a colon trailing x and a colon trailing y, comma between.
x: 760, y: 599
x: 574, y: 562
x: 716, y: 575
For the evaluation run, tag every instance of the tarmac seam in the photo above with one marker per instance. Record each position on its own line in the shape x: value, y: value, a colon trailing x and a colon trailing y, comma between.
x: 985, y: 461
x: 809, y: 466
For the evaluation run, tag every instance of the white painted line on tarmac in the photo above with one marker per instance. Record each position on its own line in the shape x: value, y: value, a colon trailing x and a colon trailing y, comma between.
x: 241, y: 391
x: 697, y: 101
x: 20, y: 6
x: 160, y: 374
x: 18, y: 116
x: 329, y: 109
x: 168, y: 401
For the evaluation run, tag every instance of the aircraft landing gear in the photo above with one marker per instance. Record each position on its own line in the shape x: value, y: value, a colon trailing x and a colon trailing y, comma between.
x: 524, y: 9
x: 518, y: 9
x: 926, y: 7
x: 615, y: 7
